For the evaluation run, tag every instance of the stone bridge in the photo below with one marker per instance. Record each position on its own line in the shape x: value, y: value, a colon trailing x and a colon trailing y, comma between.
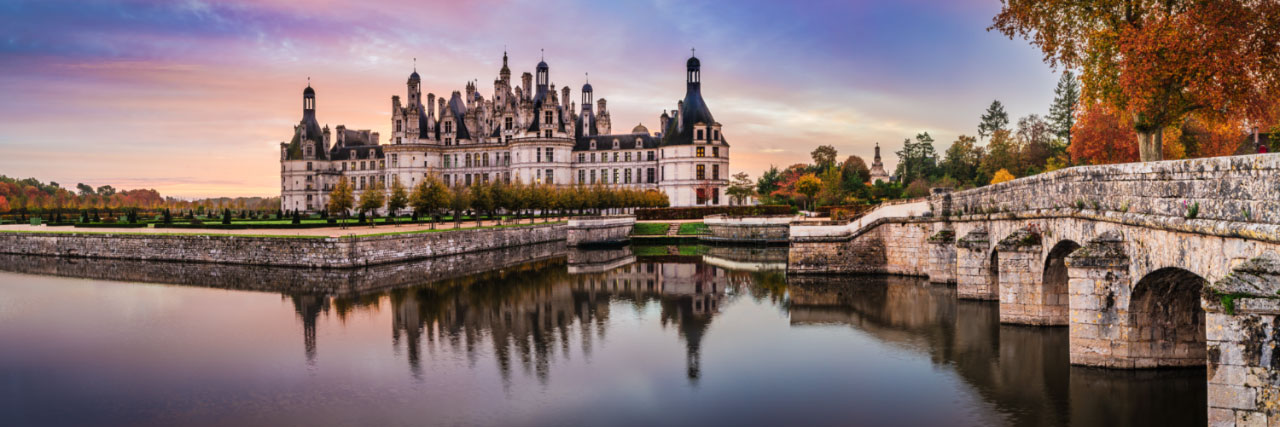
x: 1162, y: 264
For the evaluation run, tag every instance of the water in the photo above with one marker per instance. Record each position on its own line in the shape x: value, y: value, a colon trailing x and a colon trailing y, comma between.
x: 547, y: 338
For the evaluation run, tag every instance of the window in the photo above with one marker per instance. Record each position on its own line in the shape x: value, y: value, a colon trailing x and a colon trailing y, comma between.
x: 699, y: 137
x: 627, y: 176
x: 715, y: 151
x: 650, y: 158
x: 548, y: 116
x: 362, y: 165
x: 615, y: 156
x: 582, y: 176
x: 550, y: 177
x: 615, y: 176
x: 448, y: 127
x: 615, y: 145
x: 702, y: 196
x: 398, y: 140
x: 486, y: 161
x: 486, y: 178
x: 593, y: 176
x: 547, y: 134
x: 539, y: 152
x: 447, y: 163
x: 702, y: 171
x: 468, y: 180
x: 717, y: 134
x: 308, y: 165
x: 604, y: 176
x: 551, y: 155
x: 582, y: 158
x: 715, y: 196
x: 715, y: 171
x: 506, y: 177
x: 593, y: 146
x: 448, y: 141
x: 506, y: 159
x: 395, y: 160
x: 650, y: 173
x: 593, y: 157
x: 468, y: 157
x: 509, y: 123
x: 702, y: 151
x: 628, y: 156
x: 398, y: 128
x: 382, y: 164
x: 362, y: 183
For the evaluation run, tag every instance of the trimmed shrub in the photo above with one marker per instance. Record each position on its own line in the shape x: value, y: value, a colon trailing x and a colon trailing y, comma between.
x: 699, y: 212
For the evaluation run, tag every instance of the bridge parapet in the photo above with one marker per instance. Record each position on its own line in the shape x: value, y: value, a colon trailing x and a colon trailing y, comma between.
x: 1236, y: 188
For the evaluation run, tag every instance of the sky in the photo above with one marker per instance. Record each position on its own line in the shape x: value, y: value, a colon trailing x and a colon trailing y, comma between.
x: 193, y: 97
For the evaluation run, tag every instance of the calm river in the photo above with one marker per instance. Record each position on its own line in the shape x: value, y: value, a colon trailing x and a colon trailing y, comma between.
x: 545, y: 337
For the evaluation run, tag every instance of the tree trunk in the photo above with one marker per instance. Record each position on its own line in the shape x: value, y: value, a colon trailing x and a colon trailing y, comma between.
x: 1150, y: 146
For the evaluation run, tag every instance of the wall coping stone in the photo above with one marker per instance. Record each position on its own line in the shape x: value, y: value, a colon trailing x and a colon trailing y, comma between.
x: 1023, y: 240
x: 1106, y: 250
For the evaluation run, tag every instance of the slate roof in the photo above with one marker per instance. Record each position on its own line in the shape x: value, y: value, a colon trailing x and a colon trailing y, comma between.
x: 625, y: 142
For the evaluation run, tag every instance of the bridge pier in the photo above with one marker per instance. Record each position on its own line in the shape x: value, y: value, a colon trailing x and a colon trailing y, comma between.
x: 1243, y: 332
x: 976, y: 267
x: 1099, y: 286
x: 942, y: 256
x: 1023, y: 297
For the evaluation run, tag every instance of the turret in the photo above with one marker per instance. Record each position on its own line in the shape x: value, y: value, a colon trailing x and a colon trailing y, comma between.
x: 526, y: 82
x: 309, y: 101
x: 431, y: 105
x: 564, y: 98
x: 505, y: 73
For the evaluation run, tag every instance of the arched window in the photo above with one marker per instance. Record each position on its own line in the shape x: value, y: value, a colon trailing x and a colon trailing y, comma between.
x: 616, y: 144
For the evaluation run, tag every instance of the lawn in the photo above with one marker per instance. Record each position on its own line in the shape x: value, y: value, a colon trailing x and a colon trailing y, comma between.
x: 689, y: 228
x: 650, y: 229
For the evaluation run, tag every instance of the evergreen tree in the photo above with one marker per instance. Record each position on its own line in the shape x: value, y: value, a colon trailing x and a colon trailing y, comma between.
x: 1062, y: 114
x: 917, y: 159
x: 993, y: 120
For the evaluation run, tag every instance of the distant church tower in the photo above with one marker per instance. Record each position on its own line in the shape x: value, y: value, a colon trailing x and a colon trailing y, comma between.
x: 877, y: 168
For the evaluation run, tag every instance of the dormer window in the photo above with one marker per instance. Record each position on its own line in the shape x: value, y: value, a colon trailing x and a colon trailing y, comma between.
x: 716, y: 135
x: 616, y: 144
x: 547, y: 134
x: 510, y: 123
x: 448, y: 127
x: 593, y: 144
x: 398, y: 126
x: 699, y: 135
x: 549, y: 117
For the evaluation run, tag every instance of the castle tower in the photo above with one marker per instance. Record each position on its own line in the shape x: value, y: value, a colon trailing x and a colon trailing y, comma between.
x: 694, y: 165
x: 308, y: 102
x: 877, y: 168
x: 505, y: 73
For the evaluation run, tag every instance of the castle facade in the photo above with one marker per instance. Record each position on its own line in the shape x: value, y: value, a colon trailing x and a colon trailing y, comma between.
x: 529, y: 132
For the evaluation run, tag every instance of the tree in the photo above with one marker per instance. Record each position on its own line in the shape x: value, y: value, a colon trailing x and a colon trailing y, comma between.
x: 429, y: 197
x: 372, y: 199
x: 917, y: 159
x: 992, y: 120
x: 85, y: 189
x: 459, y: 201
x: 963, y: 160
x: 1002, y: 153
x: 768, y: 181
x: 1155, y: 62
x: 4, y: 204
x: 482, y: 200
x: 854, y: 175
x: 824, y: 157
x: 808, y: 185
x: 918, y: 188
x: 1035, y: 144
x: 740, y: 188
x: 1062, y: 113
x: 1095, y: 134
x: 398, y: 199
x: 1000, y: 176
x: 341, y: 199
x: 106, y: 191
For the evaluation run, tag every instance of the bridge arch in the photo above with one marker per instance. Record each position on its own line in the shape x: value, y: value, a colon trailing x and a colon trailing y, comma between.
x: 1055, y: 277
x: 1166, y: 321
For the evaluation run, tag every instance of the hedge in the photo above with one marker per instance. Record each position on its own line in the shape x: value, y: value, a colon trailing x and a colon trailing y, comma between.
x: 646, y: 214
x: 111, y: 225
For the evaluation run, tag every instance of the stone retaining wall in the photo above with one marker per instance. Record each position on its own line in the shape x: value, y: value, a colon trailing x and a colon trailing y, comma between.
x: 748, y: 229
x: 331, y: 252
x: 600, y: 230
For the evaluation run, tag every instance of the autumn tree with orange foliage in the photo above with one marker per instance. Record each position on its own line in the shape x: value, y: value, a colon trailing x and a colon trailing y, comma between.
x: 1156, y: 62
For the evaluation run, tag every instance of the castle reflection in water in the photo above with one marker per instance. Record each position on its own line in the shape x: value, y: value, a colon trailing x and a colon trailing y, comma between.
x: 529, y: 308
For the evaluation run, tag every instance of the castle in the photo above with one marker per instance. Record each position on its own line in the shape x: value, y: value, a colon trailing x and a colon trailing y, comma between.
x: 530, y: 133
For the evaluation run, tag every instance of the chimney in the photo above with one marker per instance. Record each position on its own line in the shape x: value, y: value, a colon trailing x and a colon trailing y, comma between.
x: 526, y: 81
x: 679, y: 116
x: 600, y: 106
x: 431, y: 105
x: 564, y: 99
